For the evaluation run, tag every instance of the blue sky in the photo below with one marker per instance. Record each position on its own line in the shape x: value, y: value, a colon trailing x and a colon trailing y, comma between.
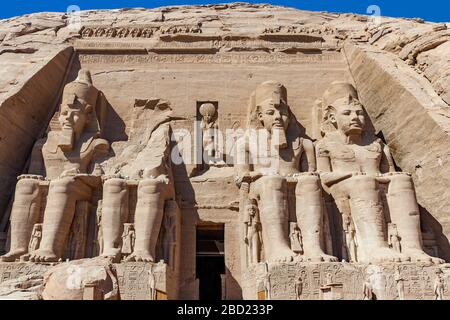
x: 432, y: 10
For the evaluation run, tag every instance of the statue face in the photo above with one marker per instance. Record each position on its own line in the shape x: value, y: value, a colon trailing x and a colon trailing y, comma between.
x: 73, y: 116
x: 208, y: 117
x: 349, y: 116
x: 273, y: 115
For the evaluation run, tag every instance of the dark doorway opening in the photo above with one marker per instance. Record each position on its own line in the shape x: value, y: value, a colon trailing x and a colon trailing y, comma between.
x: 210, y: 261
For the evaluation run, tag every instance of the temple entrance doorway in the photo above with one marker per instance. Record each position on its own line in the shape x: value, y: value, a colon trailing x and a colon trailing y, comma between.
x: 210, y: 261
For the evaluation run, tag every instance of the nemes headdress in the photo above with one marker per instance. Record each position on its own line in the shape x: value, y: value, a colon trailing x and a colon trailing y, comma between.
x: 81, y: 88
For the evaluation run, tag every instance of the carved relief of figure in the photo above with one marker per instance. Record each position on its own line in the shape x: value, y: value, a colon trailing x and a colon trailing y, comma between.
x: 296, y: 239
x: 209, y: 127
x: 267, y: 282
x: 169, y: 240
x: 400, y: 284
x: 350, y: 244
x: 298, y: 287
x: 36, y: 237
x: 75, y: 240
x: 128, y: 238
x: 252, y: 232
x: 152, y: 283
x: 353, y: 163
x: 99, y: 238
x: 367, y: 289
x: 268, y: 175
x: 394, y: 238
x: 152, y: 172
x: 438, y: 287
x: 66, y: 157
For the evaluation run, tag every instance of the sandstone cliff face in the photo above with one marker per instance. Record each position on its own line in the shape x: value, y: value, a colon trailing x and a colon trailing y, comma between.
x: 400, y: 68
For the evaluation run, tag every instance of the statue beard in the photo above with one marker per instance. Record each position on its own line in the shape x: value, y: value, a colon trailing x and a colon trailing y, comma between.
x: 66, y: 139
x: 279, y: 140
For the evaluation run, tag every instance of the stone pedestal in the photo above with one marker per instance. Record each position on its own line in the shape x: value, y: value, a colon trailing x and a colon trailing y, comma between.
x: 24, y: 280
x: 347, y: 281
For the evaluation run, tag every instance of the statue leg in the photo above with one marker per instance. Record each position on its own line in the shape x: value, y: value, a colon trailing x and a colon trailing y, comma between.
x: 368, y: 216
x: 114, y: 214
x: 309, y: 212
x: 59, y: 212
x: 152, y: 194
x: 24, y: 214
x: 405, y: 214
x: 274, y: 218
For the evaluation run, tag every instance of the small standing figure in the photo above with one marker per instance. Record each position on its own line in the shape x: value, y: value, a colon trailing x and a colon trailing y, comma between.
x: 298, y: 287
x: 128, y: 237
x: 152, y: 283
x: 328, y: 279
x: 400, y: 284
x: 36, y: 236
x: 368, y: 289
x: 209, y: 129
x: 169, y: 241
x: 296, y: 238
x: 350, y: 244
x: 394, y: 238
x: 253, y: 237
x: 267, y: 283
x: 99, y: 238
x: 439, y: 287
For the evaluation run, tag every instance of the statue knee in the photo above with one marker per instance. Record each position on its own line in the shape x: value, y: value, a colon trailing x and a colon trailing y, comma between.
x: 62, y: 185
x: 308, y: 183
x: 114, y: 186
x: 26, y: 187
x: 273, y: 182
x: 401, y: 181
x: 151, y: 186
x: 364, y: 182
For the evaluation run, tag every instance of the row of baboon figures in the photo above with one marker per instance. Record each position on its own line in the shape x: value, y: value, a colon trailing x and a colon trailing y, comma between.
x: 349, y: 162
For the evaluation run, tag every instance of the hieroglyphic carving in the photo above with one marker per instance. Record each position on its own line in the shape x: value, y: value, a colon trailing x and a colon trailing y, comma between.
x: 138, y: 31
x: 223, y: 58
x: 135, y: 282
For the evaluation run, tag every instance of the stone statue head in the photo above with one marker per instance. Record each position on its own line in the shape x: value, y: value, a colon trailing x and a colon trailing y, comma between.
x: 77, y: 107
x: 342, y: 110
x: 272, y: 110
x: 252, y: 207
x: 208, y: 112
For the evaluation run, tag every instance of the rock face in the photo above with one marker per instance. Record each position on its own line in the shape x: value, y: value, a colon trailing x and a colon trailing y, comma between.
x: 112, y: 121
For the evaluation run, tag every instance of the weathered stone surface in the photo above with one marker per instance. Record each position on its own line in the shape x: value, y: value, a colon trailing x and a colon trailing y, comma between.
x: 158, y: 71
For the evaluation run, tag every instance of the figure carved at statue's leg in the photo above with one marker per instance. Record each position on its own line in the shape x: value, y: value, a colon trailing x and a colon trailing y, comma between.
x: 62, y: 197
x: 24, y: 214
x: 148, y: 218
x: 309, y: 214
x: 367, y: 213
x: 406, y: 215
x: 114, y: 214
x: 274, y: 218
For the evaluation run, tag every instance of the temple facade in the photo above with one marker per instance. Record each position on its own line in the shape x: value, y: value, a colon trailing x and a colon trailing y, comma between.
x: 223, y: 152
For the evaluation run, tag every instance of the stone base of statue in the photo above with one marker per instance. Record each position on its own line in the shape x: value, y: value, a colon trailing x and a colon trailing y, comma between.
x: 344, y: 281
x: 87, y: 279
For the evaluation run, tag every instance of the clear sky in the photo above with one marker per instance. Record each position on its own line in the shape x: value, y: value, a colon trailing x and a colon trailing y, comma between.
x: 431, y: 10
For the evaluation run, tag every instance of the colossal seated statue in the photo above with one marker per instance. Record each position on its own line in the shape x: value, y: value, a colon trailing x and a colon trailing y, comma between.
x: 67, y: 159
x: 356, y: 167
x: 149, y: 169
x: 270, y: 171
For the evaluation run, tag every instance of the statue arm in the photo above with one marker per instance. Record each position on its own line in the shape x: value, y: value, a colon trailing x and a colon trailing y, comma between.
x: 387, y: 162
x: 37, y: 165
x: 310, y: 155
x: 325, y: 170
